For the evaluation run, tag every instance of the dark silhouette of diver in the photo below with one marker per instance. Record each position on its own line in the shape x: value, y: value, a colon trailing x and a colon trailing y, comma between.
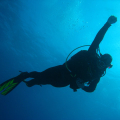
x: 83, y: 70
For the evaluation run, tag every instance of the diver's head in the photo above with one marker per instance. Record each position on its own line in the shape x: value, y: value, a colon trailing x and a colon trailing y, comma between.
x: 104, y: 61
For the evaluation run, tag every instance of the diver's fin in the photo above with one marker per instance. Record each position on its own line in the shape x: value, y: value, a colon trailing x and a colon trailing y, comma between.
x: 8, y: 86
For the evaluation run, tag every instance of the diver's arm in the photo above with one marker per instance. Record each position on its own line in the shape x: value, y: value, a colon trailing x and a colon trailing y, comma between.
x: 98, y: 38
x: 92, y: 86
x: 101, y: 33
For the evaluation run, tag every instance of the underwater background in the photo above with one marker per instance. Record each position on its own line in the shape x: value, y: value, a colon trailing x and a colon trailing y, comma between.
x: 38, y: 34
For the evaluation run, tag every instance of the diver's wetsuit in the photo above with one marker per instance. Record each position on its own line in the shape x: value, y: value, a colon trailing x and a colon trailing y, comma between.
x: 84, y: 66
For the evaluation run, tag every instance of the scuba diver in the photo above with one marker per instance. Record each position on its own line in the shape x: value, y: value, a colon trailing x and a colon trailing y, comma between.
x: 83, y: 70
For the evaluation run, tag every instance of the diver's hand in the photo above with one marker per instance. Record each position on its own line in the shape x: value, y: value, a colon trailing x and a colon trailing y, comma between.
x: 80, y: 83
x: 112, y: 19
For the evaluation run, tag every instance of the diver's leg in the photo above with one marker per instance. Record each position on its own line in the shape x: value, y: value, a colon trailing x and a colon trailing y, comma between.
x: 31, y: 82
x: 55, y: 76
x: 37, y: 79
x: 35, y: 75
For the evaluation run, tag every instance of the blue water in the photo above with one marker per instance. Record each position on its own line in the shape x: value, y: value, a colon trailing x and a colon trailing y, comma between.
x: 38, y: 34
